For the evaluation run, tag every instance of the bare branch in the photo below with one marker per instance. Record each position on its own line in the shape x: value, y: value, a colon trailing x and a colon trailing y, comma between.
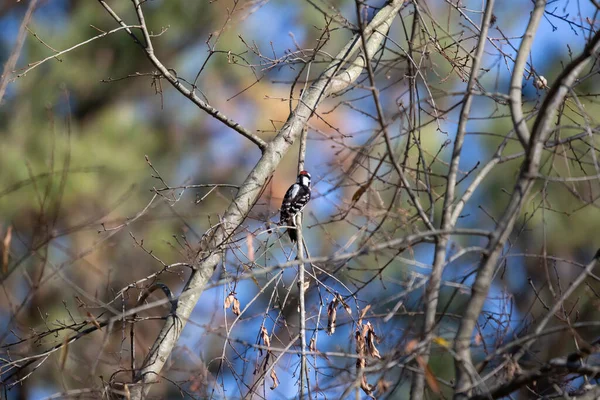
x: 176, y: 82
x: 433, y: 288
x: 14, y: 56
x: 526, y: 179
x: 210, y: 255
x: 516, y: 82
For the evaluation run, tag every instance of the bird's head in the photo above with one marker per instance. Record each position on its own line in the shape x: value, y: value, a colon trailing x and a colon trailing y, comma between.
x: 304, y: 178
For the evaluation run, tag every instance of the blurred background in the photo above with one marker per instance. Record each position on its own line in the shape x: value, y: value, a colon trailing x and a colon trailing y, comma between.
x: 80, y: 219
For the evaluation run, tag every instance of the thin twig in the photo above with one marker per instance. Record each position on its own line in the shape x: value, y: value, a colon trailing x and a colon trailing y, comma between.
x: 14, y: 56
x: 301, y: 280
x: 175, y: 81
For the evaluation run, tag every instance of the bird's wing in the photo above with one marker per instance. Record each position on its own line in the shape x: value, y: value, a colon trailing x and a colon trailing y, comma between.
x: 292, y: 192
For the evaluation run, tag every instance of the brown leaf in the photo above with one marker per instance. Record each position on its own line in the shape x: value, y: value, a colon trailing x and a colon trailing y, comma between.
x: 331, y: 317
x: 364, y: 385
x: 361, y: 363
x: 264, y: 335
x: 357, y: 195
x: 371, y: 337
x: 236, y: 306
x: 429, y: 376
x: 6, y: 248
x: 431, y: 379
x: 229, y: 300
x: 233, y: 302
x: 360, y: 343
x: 275, y: 379
x: 250, y: 245
x: 410, y: 346
x: 127, y: 392
x: 344, y: 304
x: 64, y: 351
x: 365, y: 329
x: 382, y: 385
x: 363, y: 313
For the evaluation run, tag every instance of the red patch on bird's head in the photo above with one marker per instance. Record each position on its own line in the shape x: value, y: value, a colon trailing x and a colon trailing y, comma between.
x: 304, y: 173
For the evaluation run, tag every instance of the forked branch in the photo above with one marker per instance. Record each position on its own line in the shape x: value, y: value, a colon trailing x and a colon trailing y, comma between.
x: 210, y: 253
x: 527, y: 176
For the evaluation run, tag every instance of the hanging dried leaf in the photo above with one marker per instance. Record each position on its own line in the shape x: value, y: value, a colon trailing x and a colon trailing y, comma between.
x: 347, y: 308
x: 264, y: 335
x: 250, y: 246
x: 232, y: 302
x: 331, y: 317
x: 363, y: 313
x: 229, y: 300
x: 369, y: 328
x: 236, y: 306
x: 127, y: 392
x: 313, y: 345
x: 360, y: 343
x: 371, y: 338
x: 275, y: 379
x: 344, y: 304
x: 357, y: 195
x: 382, y: 386
x: 410, y: 346
x: 64, y: 351
x: 365, y: 330
x: 6, y: 248
x: 361, y: 363
x: 429, y: 376
x: 364, y: 385
x: 431, y: 379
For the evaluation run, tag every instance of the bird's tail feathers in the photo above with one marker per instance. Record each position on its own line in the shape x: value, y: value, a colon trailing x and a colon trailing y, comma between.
x: 293, y: 233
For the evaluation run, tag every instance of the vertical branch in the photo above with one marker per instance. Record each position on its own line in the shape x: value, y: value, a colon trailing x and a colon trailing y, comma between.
x: 300, y: 256
x: 382, y: 122
x: 433, y: 288
x: 516, y: 81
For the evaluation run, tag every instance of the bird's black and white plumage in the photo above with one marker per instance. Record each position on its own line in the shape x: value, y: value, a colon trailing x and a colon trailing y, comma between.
x: 294, y: 201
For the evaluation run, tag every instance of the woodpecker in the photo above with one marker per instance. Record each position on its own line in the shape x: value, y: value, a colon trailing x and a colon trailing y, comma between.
x: 294, y: 201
